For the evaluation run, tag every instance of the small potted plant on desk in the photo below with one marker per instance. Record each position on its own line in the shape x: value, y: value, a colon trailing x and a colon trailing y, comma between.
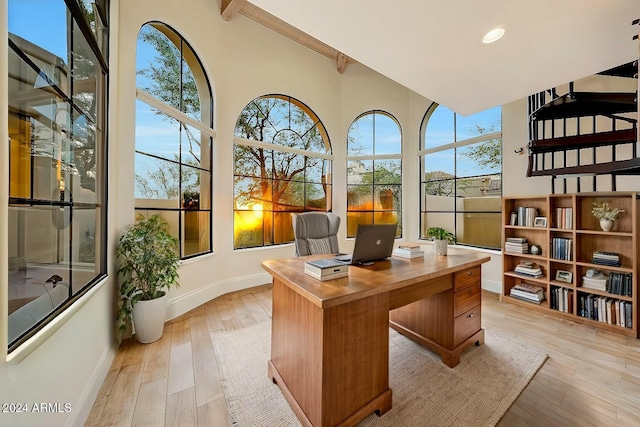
x: 441, y: 238
x: 149, y: 260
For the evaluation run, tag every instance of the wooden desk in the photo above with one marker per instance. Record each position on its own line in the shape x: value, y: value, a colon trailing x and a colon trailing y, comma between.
x: 330, y: 340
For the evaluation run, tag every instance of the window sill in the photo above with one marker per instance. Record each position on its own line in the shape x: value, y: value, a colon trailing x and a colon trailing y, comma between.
x: 18, y: 355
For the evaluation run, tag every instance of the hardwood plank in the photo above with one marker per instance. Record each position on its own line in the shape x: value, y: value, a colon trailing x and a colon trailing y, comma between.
x: 101, y: 400
x: 156, y: 364
x: 214, y: 413
x: 122, y: 400
x: 152, y: 402
x: 180, y: 369
x: 181, y: 409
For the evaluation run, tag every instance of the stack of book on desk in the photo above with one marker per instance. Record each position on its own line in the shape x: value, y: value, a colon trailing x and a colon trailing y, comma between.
x: 527, y: 292
x: 528, y: 269
x: 408, y: 250
x: 611, y: 259
x: 326, y: 269
x: 516, y: 245
x: 596, y: 281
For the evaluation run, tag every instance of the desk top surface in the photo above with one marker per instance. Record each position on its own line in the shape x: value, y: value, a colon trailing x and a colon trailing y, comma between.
x: 364, y: 281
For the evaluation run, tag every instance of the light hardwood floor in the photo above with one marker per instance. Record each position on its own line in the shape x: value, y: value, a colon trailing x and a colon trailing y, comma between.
x: 591, y: 378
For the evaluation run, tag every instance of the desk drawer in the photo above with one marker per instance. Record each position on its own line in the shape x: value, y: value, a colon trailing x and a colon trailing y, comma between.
x: 465, y: 299
x: 467, y: 324
x: 468, y: 277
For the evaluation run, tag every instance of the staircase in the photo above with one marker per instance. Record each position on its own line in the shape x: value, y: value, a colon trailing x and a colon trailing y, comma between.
x: 585, y: 133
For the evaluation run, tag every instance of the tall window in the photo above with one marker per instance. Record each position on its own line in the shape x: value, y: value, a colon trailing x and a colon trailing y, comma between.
x: 374, y: 171
x: 282, y: 164
x: 174, y: 134
x: 461, y: 175
x: 57, y: 97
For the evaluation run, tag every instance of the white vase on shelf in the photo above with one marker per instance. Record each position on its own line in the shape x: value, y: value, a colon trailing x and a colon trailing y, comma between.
x: 606, y: 224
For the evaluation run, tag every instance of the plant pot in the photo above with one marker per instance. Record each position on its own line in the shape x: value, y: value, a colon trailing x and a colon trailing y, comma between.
x: 148, y: 319
x: 440, y: 247
x: 606, y: 224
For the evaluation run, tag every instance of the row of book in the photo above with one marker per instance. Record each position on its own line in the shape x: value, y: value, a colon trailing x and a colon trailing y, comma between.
x: 408, y: 250
x: 528, y: 292
x: 516, y: 245
x: 528, y: 269
x: 561, y: 299
x: 564, y: 218
x: 610, y: 259
x: 562, y: 248
x: 620, y: 284
x: 607, y: 310
x: 525, y: 216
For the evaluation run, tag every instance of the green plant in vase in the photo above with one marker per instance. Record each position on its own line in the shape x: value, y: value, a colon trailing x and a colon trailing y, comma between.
x: 606, y: 214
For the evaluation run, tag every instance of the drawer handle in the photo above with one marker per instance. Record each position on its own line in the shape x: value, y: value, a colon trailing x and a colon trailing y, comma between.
x: 469, y: 274
x: 470, y: 316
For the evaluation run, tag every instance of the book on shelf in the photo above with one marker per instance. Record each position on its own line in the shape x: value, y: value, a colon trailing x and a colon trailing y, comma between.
x: 610, y: 259
x: 562, y: 248
x: 528, y: 269
x: 562, y: 299
x: 517, y: 245
x: 525, y: 216
x: 528, y: 292
x: 402, y: 253
x: 326, y: 269
x: 564, y: 218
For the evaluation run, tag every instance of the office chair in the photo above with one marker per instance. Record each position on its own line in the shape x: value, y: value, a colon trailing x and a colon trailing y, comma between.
x: 316, y: 233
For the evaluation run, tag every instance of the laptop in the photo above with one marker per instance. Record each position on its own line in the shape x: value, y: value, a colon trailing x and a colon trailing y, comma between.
x: 373, y: 242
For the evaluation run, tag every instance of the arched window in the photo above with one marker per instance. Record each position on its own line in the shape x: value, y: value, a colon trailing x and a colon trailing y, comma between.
x: 374, y: 171
x: 57, y: 97
x: 174, y: 134
x: 461, y: 175
x: 282, y: 164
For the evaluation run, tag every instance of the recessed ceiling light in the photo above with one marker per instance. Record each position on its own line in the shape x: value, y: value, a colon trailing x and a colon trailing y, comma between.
x: 493, y: 35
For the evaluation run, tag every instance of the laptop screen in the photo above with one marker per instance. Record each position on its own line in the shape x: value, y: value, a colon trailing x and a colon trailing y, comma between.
x: 373, y: 242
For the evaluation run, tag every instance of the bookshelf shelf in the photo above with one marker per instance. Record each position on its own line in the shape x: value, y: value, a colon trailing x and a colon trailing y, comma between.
x: 573, y: 232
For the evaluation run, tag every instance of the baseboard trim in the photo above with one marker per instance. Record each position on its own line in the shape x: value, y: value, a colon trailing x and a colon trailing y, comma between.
x: 492, y: 286
x: 187, y: 302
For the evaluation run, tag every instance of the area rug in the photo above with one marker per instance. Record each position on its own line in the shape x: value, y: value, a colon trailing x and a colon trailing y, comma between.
x: 477, y: 392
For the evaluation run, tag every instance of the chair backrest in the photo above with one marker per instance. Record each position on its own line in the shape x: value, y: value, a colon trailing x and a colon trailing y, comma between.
x: 316, y: 233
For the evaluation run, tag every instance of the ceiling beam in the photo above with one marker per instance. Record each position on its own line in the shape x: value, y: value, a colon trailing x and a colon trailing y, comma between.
x: 276, y: 24
x: 229, y: 8
x: 342, y: 62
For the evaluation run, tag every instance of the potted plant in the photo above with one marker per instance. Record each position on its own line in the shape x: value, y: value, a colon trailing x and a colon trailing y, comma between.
x: 148, y: 257
x: 441, y: 239
x: 606, y: 214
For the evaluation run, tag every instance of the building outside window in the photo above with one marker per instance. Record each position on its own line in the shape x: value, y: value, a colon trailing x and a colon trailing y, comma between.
x: 282, y: 165
x: 57, y: 125
x: 174, y: 134
x: 374, y: 171
x: 461, y: 175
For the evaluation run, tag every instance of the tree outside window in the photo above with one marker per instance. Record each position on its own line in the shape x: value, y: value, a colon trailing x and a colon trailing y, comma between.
x: 282, y: 165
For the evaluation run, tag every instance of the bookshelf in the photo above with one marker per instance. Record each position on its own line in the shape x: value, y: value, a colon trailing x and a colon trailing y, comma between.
x: 568, y: 238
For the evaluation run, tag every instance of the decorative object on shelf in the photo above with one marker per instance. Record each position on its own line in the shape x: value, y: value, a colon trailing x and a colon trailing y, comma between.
x: 441, y: 239
x: 535, y: 250
x: 149, y: 260
x: 606, y: 214
x: 564, y: 276
x: 540, y: 221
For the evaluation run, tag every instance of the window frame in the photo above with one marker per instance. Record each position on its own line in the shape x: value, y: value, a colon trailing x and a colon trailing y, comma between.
x: 77, y: 26
x: 373, y: 158
x: 271, y: 146
x: 454, y: 145
x: 184, y: 120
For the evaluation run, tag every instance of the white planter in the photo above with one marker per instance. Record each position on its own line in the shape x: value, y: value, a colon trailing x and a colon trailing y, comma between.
x: 440, y: 247
x: 606, y: 224
x: 148, y: 319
